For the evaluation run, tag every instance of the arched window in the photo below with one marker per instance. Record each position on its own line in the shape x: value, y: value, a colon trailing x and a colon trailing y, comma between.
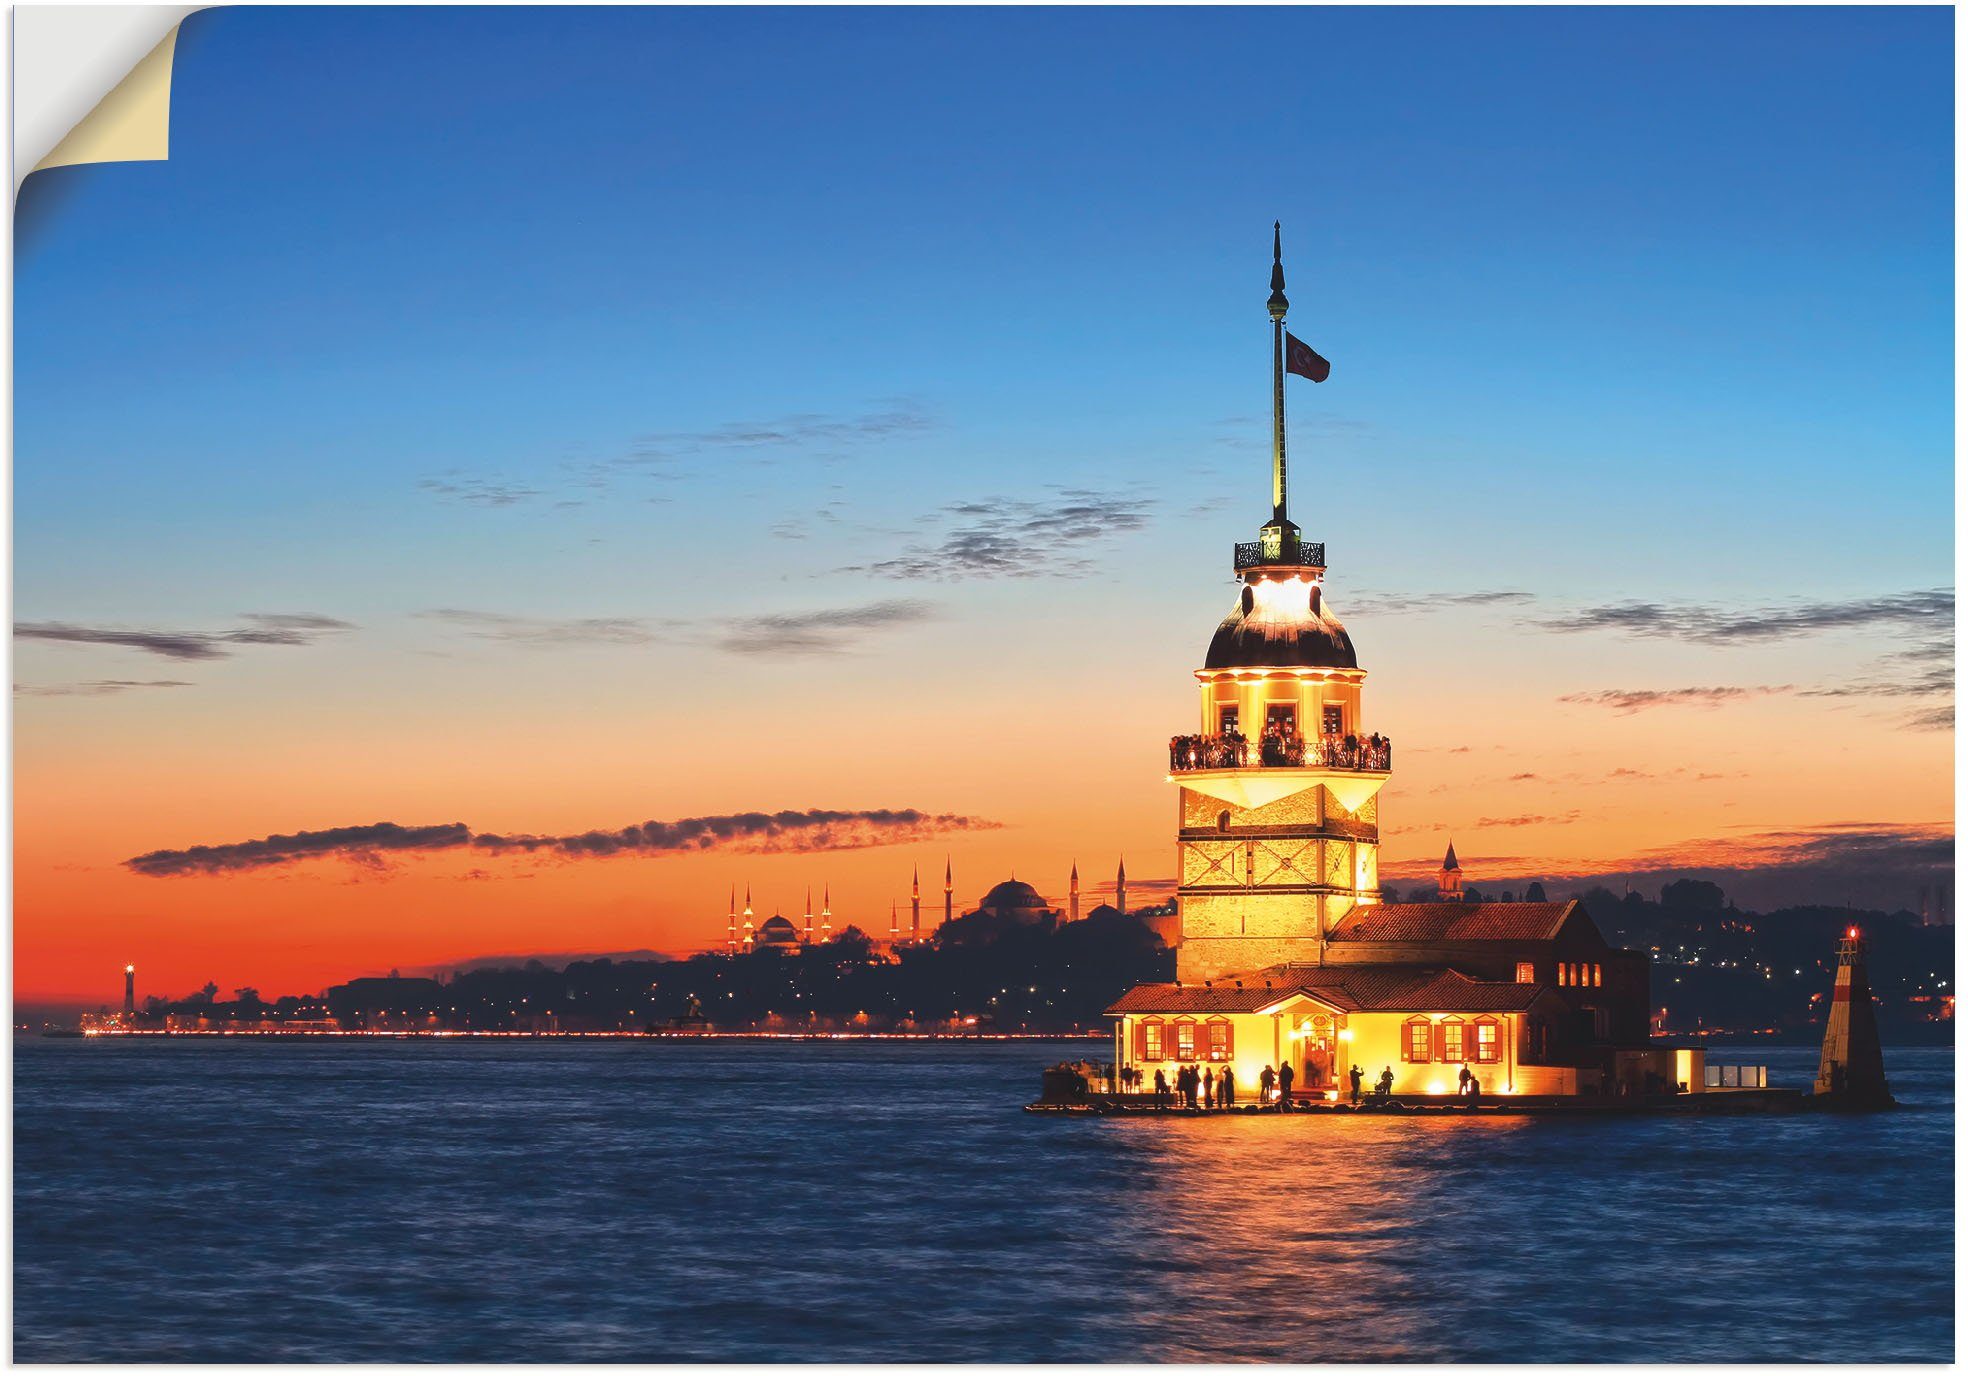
x: 1150, y: 1043
x: 1185, y: 1040
x: 1223, y: 820
x: 1489, y: 1041
x: 1220, y: 1039
x: 1595, y: 975
x: 1452, y: 1044
x: 1418, y: 1041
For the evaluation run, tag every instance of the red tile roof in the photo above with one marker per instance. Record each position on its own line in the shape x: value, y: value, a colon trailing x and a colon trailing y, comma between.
x: 1195, y: 998
x: 1450, y: 922
x: 1350, y: 988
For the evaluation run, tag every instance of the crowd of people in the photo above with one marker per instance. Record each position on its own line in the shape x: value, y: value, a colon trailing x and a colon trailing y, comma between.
x: 1281, y: 747
x: 1210, y: 1086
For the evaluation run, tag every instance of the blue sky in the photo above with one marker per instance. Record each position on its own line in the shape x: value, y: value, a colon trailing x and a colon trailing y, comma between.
x: 1626, y: 274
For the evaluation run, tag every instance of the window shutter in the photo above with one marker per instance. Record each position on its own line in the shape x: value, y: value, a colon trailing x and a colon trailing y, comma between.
x: 1441, y: 1042
x: 1229, y: 1040
x: 1141, y: 1041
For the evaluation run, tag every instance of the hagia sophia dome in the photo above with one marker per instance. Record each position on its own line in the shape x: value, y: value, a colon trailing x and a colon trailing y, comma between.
x: 1281, y: 623
x: 1014, y: 898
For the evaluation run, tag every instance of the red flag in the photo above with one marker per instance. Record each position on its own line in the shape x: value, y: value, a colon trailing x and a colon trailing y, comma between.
x: 1302, y: 359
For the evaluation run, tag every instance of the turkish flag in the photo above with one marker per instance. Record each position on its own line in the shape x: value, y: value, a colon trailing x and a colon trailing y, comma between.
x: 1302, y: 359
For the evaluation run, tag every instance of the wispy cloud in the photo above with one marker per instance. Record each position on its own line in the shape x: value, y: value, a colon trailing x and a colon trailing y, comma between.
x: 829, y: 631
x: 1005, y: 537
x: 545, y: 631
x: 1927, y: 611
x: 802, y: 430
x: 1400, y: 603
x: 1529, y: 820
x: 812, y: 830
x: 1626, y: 701
x: 94, y: 688
x: 822, y: 631
x: 260, y: 628
x: 456, y: 487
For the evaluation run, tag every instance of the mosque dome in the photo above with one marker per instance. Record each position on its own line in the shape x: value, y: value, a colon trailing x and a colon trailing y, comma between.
x: 1282, y: 624
x: 1014, y: 897
x: 777, y: 931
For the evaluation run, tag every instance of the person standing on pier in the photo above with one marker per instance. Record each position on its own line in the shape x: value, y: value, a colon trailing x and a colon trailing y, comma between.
x: 1264, y: 1083
x: 1354, y: 1076
x: 1161, y: 1088
x: 1285, y: 1074
x: 1209, y: 1089
x: 1463, y: 1077
x: 1226, y: 1088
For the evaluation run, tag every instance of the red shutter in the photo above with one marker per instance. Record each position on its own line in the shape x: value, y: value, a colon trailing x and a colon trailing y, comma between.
x: 1229, y: 1040
x: 1441, y: 1042
x: 1141, y: 1041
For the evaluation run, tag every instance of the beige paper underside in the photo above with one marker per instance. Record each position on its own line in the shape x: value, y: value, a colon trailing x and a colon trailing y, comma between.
x: 130, y: 124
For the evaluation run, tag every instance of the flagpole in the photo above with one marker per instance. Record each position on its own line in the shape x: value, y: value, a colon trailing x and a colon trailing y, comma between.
x: 1278, y: 306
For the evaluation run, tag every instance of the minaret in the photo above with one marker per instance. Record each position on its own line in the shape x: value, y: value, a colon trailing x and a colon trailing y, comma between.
x: 1851, y: 1071
x: 1120, y: 887
x: 949, y: 903
x: 894, y: 932
x: 1448, y: 883
x: 827, y: 913
x: 129, y: 990
x: 1279, y: 816
x: 747, y: 941
x: 807, y: 940
x: 731, y: 925
x: 915, y: 903
x: 1073, y: 894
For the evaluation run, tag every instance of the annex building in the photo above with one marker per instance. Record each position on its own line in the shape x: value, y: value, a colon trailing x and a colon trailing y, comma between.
x: 1286, y: 955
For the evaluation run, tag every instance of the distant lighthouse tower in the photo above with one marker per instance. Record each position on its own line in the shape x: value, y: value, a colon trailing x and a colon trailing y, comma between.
x: 129, y: 990
x: 1278, y: 814
x: 1851, y: 1071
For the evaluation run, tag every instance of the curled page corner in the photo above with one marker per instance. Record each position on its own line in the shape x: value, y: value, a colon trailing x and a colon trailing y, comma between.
x: 92, y: 84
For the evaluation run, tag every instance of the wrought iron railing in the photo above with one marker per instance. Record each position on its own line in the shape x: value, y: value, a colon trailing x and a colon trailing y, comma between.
x: 1306, y: 554
x: 1363, y: 753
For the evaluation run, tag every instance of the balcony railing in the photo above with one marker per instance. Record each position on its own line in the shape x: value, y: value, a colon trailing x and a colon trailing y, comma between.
x: 1302, y: 553
x: 1372, y: 754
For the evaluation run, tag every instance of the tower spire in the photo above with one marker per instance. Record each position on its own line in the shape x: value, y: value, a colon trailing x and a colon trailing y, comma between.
x: 1278, y: 306
x: 948, y: 902
x: 1073, y: 893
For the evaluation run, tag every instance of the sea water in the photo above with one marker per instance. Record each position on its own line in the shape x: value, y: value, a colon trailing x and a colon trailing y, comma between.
x: 371, y: 1200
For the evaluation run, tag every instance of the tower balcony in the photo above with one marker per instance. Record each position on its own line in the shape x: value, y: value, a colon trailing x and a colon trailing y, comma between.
x: 1251, y: 773
x: 1258, y: 554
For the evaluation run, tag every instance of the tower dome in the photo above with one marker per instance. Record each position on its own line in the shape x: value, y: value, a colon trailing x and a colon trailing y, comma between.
x: 1281, y: 624
x: 777, y: 933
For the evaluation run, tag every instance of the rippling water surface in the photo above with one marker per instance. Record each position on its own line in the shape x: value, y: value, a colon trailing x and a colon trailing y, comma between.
x: 366, y: 1201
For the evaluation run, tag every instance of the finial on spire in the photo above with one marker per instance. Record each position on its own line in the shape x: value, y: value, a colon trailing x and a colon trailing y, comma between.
x: 1279, y: 305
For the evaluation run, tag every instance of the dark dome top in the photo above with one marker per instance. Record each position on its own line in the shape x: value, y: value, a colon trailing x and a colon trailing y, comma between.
x: 1013, y: 893
x: 1275, y: 626
x: 776, y: 928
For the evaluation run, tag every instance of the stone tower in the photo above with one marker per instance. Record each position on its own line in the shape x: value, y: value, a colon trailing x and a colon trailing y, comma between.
x: 1448, y: 883
x: 1277, y: 815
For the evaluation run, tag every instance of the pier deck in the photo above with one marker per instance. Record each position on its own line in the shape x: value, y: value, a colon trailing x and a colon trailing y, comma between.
x: 1449, y: 1105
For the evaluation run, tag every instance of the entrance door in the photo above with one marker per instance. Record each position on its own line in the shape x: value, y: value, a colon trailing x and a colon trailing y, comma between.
x: 1317, y: 1074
